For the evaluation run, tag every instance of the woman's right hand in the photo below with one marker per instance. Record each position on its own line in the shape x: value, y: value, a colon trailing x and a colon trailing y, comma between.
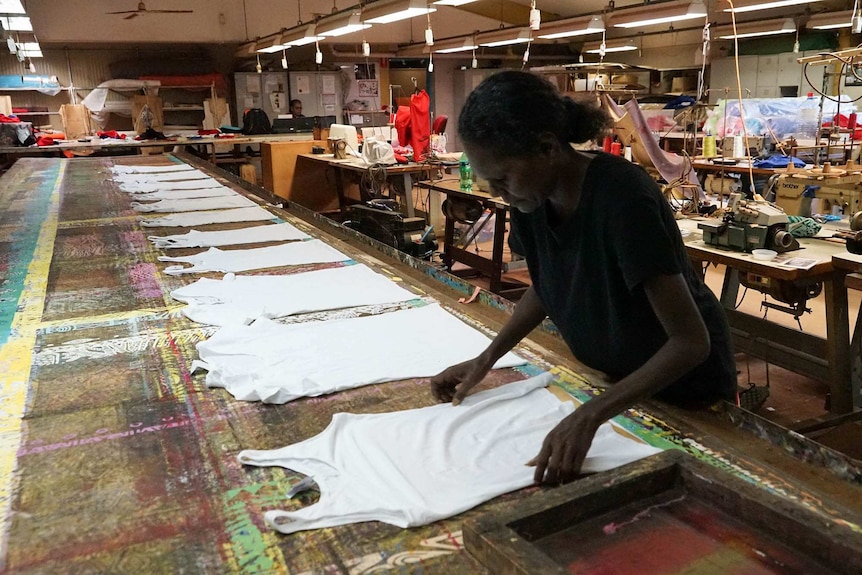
x: 453, y: 383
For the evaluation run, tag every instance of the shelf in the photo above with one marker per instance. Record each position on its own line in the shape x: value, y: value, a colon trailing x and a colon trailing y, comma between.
x: 183, y: 109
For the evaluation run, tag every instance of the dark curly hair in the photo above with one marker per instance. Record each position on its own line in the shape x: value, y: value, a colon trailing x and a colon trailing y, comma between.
x: 509, y: 110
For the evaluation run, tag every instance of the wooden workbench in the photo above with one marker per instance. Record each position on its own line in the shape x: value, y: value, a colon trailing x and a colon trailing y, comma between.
x: 115, y: 458
x: 825, y: 359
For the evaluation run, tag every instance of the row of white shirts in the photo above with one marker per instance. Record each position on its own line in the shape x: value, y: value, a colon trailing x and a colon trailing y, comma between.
x: 406, y: 468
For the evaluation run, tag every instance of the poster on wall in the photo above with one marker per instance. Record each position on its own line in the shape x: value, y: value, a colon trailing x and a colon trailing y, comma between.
x: 367, y: 88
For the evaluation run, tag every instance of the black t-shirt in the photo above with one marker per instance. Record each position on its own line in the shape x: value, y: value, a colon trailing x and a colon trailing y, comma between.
x: 589, y: 274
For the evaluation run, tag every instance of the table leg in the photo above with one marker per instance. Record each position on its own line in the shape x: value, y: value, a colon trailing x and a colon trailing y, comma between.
x: 448, y: 240
x: 838, y: 345
x: 408, y: 194
x: 339, y: 189
x: 497, y: 252
x: 730, y: 288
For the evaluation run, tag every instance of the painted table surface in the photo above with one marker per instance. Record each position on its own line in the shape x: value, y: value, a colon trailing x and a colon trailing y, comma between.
x: 114, y: 458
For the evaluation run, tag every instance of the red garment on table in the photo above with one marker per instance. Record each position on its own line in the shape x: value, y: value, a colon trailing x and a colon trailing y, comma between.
x: 9, y: 119
x: 420, y: 124
x: 402, y: 125
x: 111, y: 134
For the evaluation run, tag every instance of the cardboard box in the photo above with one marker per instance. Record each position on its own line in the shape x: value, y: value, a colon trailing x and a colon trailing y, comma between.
x: 76, y: 121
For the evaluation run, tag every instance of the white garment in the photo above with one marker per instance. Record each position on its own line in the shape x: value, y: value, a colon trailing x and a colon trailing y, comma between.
x: 239, y: 300
x: 291, y: 254
x: 259, y: 234
x: 190, y: 219
x: 276, y: 363
x: 160, y: 177
x: 214, y: 192
x: 410, y: 468
x: 194, y: 204
x: 139, y: 188
x: 133, y: 169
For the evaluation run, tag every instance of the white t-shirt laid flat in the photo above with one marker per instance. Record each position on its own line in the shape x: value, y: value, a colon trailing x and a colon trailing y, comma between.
x: 410, y: 468
x: 160, y: 177
x: 214, y: 192
x: 139, y: 188
x: 290, y: 254
x: 274, y: 363
x: 132, y: 169
x: 259, y: 234
x: 193, y: 219
x: 168, y: 206
x: 237, y: 300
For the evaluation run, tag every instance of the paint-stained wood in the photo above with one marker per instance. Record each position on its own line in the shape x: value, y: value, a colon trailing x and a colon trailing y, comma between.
x: 699, y: 518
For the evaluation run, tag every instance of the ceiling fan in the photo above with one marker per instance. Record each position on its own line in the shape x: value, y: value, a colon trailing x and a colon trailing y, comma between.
x: 142, y: 10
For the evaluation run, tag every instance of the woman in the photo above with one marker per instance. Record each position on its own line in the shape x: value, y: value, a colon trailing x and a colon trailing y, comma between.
x: 606, y: 260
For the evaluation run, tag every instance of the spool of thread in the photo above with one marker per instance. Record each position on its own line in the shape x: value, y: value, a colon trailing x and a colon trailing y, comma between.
x: 628, y: 153
x: 709, y: 149
x: 851, y: 121
x: 738, y: 148
x: 616, y: 148
x: 606, y: 144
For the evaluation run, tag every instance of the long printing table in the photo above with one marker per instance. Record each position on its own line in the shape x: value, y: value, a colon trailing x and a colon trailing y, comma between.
x: 116, y: 458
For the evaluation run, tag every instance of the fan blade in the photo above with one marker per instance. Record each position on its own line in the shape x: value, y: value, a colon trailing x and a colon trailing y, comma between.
x: 124, y: 12
x: 130, y: 16
x: 171, y: 11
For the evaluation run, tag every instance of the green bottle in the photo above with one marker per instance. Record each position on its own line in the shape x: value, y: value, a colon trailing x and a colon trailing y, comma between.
x: 466, y: 173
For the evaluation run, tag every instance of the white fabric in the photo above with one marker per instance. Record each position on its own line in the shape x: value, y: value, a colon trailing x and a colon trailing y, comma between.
x: 191, y: 219
x: 139, y: 188
x: 239, y: 300
x: 194, y: 204
x: 163, y: 177
x: 259, y: 234
x: 410, y: 468
x: 292, y: 254
x: 134, y: 169
x: 275, y: 363
x: 215, y: 192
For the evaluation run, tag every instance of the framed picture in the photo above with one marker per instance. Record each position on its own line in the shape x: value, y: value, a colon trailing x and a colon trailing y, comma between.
x: 367, y: 88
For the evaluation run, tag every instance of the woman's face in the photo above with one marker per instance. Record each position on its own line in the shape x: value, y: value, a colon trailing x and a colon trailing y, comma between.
x: 524, y: 182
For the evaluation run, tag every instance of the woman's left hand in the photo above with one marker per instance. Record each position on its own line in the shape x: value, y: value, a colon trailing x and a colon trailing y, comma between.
x: 565, y: 448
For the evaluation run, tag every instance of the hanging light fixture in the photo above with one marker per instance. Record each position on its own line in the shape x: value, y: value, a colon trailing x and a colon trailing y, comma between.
x: 270, y: 46
x: 755, y: 5
x: 577, y: 27
x: 831, y: 20
x: 507, y: 39
x: 340, y: 27
x: 467, y: 45
x: 301, y: 36
x: 318, y: 55
x: 258, y: 67
x: 604, y: 48
x: 767, y: 28
x: 398, y: 10
x: 284, y: 58
x: 666, y: 13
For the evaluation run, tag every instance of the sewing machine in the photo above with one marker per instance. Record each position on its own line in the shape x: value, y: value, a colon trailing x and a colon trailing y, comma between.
x: 794, y: 190
x: 748, y: 225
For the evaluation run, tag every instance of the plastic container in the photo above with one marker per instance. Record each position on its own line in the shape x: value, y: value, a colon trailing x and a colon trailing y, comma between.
x: 764, y: 255
x: 808, y: 112
x: 465, y: 173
